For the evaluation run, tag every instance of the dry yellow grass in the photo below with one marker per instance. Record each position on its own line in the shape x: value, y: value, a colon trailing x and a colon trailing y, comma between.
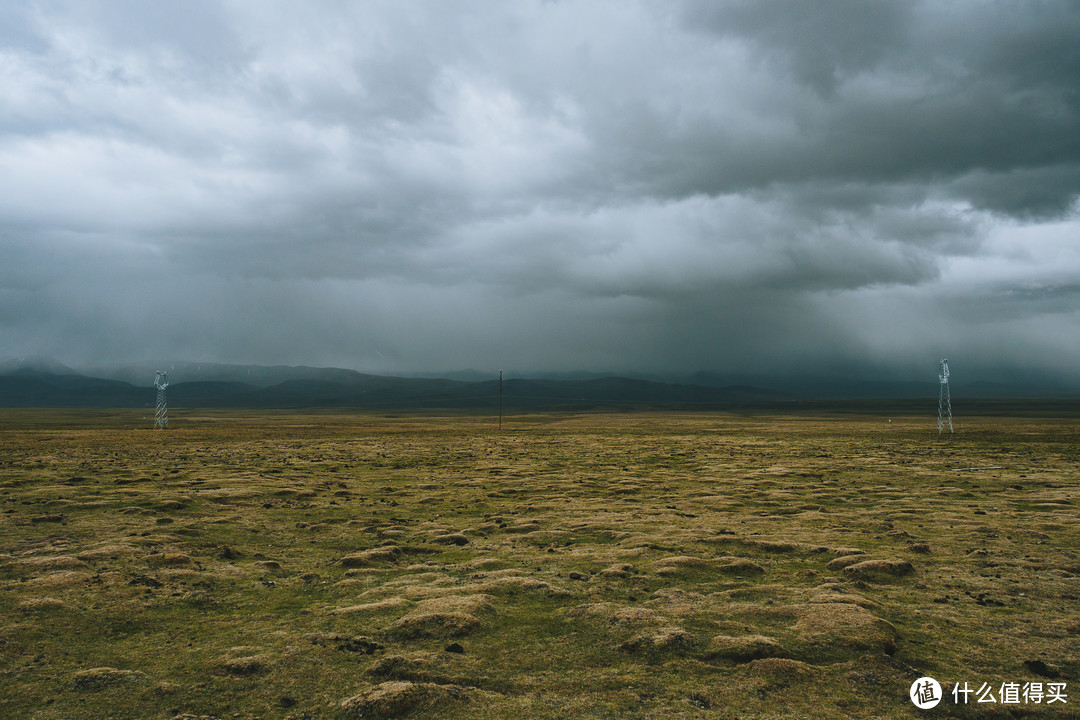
x: 334, y: 565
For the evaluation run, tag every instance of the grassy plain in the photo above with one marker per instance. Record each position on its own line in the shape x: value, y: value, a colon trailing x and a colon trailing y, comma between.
x: 631, y: 565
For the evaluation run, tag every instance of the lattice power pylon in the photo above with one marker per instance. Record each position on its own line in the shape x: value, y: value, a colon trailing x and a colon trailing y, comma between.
x: 161, y: 413
x: 944, y: 403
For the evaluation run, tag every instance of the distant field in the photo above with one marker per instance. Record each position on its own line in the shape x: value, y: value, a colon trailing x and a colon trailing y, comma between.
x: 626, y: 565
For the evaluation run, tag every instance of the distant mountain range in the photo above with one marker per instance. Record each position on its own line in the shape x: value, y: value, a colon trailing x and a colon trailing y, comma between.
x: 44, y: 382
x: 35, y: 383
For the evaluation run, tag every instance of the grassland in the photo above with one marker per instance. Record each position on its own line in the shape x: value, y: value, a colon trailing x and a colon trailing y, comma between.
x: 637, y: 565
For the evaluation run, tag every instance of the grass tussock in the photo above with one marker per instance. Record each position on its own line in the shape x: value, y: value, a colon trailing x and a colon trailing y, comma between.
x: 391, y: 603
x: 397, y: 698
x: 879, y: 570
x: 435, y: 624
x: 100, y: 678
x: 745, y: 648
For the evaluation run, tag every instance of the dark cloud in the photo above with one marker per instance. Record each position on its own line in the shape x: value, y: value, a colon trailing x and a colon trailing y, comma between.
x: 879, y: 93
x: 547, y: 186
x: 820, y: 44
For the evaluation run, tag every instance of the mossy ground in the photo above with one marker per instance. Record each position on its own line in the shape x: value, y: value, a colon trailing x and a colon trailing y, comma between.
x: 633, y: 565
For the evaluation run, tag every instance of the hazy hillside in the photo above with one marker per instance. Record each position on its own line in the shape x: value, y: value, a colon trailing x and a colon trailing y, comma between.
x: 330, y: 387
x: 32, y: 388
x: 44, y: 382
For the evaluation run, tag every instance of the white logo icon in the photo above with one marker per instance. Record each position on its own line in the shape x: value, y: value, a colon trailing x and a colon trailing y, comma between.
x: 925, y: 693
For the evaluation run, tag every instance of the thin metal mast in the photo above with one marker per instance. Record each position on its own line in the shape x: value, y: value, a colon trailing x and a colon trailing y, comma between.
x: 500, y: 400
x: 944, y: 404
x: 161, y: 412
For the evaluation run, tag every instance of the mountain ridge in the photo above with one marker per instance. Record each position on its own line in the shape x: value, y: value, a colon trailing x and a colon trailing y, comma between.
x: 44, y: 382
x: 28, y: 387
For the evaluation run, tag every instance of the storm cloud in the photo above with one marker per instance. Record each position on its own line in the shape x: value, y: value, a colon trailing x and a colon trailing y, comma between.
x: 613, y: 186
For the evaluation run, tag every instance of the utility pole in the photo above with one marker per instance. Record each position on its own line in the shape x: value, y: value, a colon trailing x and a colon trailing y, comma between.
x: 500, y: 401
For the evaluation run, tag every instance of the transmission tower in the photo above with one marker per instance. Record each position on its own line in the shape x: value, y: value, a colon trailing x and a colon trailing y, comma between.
x: 944, y: 403
x: 161, y: 413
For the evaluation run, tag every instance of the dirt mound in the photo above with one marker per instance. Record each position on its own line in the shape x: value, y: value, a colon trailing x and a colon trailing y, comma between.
x: 511, y: 585
x: 346, y: 643
x: 782, y: 547
x: 366, y: 558
x: 435, y: 624
x: 477, y: 603
x: 852, y: 598
x: 842, y: 551
x: 844, y: 561
x: 617, y: 570
x: 60, y: 579
x: 879, y: 570
x: 681, y: 563
x: 451, y: 539
x: 100, y: 678
x: 744, y: 648
x: 738, y: 566
x: 727, y: 564
x: 379, y: 605
x: 396, y: 698
x: 245, y: 666
x: 634, y: 616
x: 780, y: 668
x: 663, y: 640
x: 43, y: 604
x: 829, y: 632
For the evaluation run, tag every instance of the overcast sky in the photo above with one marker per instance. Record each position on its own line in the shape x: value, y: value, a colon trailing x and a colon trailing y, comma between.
x: 546, y: 186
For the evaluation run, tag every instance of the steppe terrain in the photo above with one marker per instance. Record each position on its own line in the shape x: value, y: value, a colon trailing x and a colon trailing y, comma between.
x: 624, y: 565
